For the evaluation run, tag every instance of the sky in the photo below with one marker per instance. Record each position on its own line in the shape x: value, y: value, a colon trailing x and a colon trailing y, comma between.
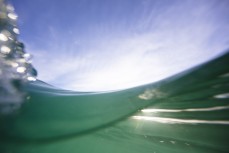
x: 99, y: 45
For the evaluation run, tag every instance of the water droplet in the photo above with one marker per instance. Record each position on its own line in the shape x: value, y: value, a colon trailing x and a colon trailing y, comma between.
x: 10, y: 7
x: 173, y: 142
x: 21, y: 60
x: 3, y: 37
x: 31, y: 78
x: 6, y: 33
x: 12, y: 16
x: 16, y: 30
x: 5, y: 50
x: 27, y: 57
x: 187, y: 144
x: 149, y: 94
x: 21, y: 69
x: 28, y: 97
x: 162, y: 141
x: 14, y: 64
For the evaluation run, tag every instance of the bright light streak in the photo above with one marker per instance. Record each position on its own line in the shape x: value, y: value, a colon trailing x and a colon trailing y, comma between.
x: 185, y: 110
x: 222, y: 96
x: 178, y: 121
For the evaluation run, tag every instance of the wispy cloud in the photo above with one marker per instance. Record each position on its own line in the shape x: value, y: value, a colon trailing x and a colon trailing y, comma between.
x: 163, y: 39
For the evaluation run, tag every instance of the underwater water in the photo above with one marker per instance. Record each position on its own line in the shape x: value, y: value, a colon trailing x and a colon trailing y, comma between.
x: 184, y: 113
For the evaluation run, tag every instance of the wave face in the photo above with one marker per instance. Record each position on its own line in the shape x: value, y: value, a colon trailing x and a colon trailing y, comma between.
x: 188, y: 112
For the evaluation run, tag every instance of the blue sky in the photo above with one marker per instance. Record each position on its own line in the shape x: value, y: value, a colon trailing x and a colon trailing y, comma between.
x: 93, y: 45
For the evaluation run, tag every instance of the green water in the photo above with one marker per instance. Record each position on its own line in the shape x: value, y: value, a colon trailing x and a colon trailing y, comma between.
x: 188, y: 112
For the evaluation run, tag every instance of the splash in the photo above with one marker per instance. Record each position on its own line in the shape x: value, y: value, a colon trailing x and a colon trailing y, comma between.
x: 15, y: 63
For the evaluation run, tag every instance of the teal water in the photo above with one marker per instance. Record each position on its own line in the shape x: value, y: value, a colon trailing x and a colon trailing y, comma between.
x: 188, y: 112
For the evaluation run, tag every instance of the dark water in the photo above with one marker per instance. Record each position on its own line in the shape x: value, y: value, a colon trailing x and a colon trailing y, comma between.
x: 188, y: 112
